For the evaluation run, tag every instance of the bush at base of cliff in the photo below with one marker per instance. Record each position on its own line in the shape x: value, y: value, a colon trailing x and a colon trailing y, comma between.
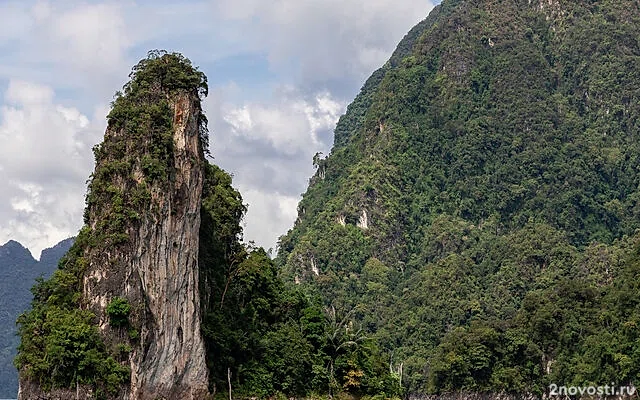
x: 60, y: 344
x: 64, y: 349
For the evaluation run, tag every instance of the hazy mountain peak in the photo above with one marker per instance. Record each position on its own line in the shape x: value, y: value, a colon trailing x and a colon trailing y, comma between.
x: 15, y: 249
x: 54, y: 253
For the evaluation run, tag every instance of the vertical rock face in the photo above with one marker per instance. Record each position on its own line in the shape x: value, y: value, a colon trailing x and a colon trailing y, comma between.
x: 142, y: 240
x: 159, y: 275
x: 171, y: 361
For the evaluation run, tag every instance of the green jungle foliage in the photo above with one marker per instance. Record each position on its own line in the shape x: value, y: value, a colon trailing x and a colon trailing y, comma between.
x: 273, y: 337
x: 60, y: 345
x: 477, y: 215
x: 18, y: 273
x: 118, y: 311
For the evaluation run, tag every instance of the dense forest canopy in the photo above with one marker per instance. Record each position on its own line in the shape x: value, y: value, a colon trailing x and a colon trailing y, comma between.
x: 478, y: 212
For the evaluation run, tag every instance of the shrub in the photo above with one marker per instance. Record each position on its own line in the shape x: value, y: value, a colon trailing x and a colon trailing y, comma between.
x: 118, y: 311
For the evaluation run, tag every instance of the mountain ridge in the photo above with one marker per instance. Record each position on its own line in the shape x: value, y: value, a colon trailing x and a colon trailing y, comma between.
x: 18, y: 273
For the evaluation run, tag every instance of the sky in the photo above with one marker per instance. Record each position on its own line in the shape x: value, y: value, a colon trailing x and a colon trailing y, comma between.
x: 280, y: 72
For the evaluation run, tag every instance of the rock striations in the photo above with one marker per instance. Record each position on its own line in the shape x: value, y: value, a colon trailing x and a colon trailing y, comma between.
x: 159, y: 273
x: 136, y: 262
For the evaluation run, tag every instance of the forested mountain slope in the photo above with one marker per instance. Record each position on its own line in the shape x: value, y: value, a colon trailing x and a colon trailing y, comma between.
x: 477, y: 214
x: 18, y: 272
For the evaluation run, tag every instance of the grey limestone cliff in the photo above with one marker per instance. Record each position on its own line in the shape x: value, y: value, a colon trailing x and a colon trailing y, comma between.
x: 143, y: 219
x: 160, y: 273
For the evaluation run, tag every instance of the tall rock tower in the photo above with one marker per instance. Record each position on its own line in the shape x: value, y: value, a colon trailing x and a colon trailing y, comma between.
x: 135, y: 265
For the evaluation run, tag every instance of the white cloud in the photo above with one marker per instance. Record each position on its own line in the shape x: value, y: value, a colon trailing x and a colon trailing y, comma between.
x: 16, y: 22
x: 324, y: 114
x: 327, y: 40
x: 21, y: 92
x: 270, y: 215
x: 268, y: 147
x: 66, y: 44
x: 45, y: 154
x: 88, y: 38
x: 290, y: 124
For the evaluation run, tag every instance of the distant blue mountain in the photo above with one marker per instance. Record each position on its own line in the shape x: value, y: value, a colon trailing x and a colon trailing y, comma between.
x: 18, y: 272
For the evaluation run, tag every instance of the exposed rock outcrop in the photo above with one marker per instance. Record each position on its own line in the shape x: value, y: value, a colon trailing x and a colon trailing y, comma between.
x: 143, y: 219
x: 160, y: 273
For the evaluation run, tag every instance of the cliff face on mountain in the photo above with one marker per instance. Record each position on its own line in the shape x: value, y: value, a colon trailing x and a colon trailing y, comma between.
x: 121, y: 317
x: 157, y: 270
x: 477, y: 214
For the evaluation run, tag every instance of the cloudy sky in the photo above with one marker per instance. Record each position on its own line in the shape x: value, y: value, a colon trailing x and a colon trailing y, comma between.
x: 281, y: 72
